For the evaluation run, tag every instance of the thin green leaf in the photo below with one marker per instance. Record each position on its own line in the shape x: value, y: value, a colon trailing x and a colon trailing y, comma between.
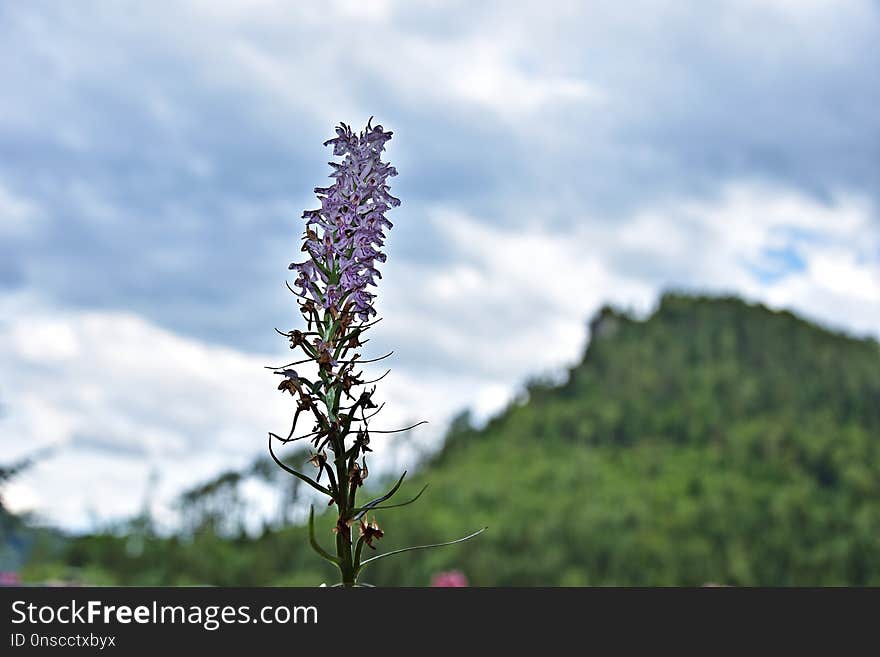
x: 311, y: 482
x: 421, y: 547
x: 314, y: 542
x: 359, y: 513
x: 372, y: 503
x: 357, y: 553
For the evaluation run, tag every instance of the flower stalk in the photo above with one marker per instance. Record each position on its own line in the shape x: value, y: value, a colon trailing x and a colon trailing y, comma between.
x: 342, y: 246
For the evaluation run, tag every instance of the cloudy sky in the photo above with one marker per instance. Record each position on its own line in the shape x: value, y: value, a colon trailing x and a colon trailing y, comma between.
x: 554, y: 156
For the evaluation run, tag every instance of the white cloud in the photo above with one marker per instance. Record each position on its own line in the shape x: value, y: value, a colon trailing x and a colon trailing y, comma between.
x: 117, y: 398
x: 485, y: 74
x: 594, y: 100
x: 129, y: 395
x: 836, y: 287
x: 286, y: 59
x: 514, y: 303
x: 19, y: 217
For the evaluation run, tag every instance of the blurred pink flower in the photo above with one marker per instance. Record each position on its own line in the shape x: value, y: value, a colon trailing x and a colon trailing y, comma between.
x: 452, y: 578
x: 9, y: 579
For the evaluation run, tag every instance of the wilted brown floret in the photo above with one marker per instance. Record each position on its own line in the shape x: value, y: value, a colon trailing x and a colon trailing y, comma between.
x: 289, y: 385
x: 362, y: 441
x: 358, y: 474
x: 371, y: 532
x: 366, y: 400
x: 296, y: 338
x: 343, y: 527
x: 350, y: 380
x: 345, y: 320
x: 325, y: 358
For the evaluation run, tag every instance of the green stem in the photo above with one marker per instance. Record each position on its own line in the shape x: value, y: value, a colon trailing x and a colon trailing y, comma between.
x: 344, y: 505
x: 345, y: 493
x: 346, y: 560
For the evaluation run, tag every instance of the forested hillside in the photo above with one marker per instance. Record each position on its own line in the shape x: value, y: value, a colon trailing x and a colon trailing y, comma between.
x: 714, y: 442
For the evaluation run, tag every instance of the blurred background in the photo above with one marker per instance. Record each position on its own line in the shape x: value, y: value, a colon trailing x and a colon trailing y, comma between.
x: 634, y: 285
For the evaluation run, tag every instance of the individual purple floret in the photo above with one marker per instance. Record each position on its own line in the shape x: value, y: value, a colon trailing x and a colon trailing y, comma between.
x: 344, y: 236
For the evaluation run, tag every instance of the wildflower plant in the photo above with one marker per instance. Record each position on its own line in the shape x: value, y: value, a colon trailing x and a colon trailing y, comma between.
x: 342, y: 246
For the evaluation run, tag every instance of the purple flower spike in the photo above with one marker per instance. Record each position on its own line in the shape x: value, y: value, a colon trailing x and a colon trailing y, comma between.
x: 343, y: 242
x: 345, y: 235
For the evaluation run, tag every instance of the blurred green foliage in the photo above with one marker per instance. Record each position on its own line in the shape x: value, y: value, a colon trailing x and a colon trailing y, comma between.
x: 714, y: 442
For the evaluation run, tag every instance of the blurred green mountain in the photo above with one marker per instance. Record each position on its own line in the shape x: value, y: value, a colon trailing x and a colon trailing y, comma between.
x: 713, y: 442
